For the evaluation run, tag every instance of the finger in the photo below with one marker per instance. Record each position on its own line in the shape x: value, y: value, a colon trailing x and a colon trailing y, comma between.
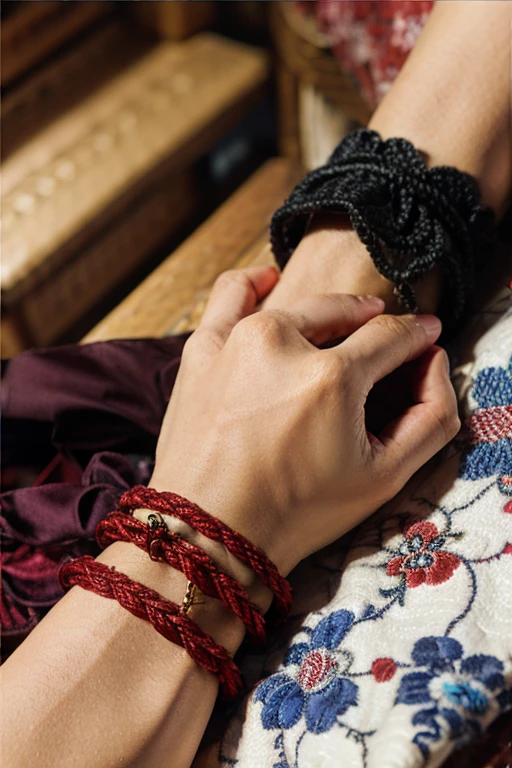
x: 321, y: 319
x: 385, y: 343
x: 235, y: 295
x: 415, y: 436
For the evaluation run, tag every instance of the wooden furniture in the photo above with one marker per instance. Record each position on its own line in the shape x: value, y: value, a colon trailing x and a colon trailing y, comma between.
x: 173, y: 297
x: 176, y: 20
x: 317, y: 103
x: 68, y: 78
x: 32, y: 30
x: 87, y: 198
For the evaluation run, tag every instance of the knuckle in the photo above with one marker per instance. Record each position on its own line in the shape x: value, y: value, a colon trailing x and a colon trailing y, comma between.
x: 267, y: 325
x: 190, y: 345
x: 329, y: 371
x: 448, y: 421
x: 455, y: 426
x: 229, y: 278
x: 396, y: 325
x: 452, y: 423
x: 279, y: 317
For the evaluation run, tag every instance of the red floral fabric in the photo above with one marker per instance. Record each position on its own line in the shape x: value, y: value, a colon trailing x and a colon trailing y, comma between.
x: 371, y: 38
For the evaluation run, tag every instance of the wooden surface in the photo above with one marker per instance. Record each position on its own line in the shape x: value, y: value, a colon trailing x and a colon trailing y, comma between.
x: 96, y: 190
x: 158, y: 117
x: 176, y: 20
x: 36, y: 29
x: 304, y: 59
x: 76, y: 286
x: 100, y: 267
x: 172, y: 298
x: 310, y: 59
x: 59, y: 84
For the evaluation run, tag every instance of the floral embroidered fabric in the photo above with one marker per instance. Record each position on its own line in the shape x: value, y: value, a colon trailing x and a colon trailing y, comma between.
x: 399, y: 648
x: 371, y: 38
x: 401, y: 642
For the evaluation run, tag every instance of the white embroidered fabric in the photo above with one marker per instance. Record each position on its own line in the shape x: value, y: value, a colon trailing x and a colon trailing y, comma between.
x: 400, y: 645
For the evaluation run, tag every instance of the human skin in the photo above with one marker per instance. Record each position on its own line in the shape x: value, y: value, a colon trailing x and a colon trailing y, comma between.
x: 452, y: 100
x: 92, y: 685
x: 255, y: 402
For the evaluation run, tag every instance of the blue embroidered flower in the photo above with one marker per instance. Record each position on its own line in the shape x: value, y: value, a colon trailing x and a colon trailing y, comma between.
x: 490, y: 428
x: 314, y: 684
x: 455, y: 692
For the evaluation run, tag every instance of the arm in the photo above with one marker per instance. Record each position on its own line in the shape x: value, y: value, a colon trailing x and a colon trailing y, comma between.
x: 93, y: 685
x: 452, y: 100
x: 254, y: 402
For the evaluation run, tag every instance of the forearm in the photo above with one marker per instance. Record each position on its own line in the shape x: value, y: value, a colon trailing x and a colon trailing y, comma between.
x: 453, y: 97
x: 94, y: 685
x: 452, y: 101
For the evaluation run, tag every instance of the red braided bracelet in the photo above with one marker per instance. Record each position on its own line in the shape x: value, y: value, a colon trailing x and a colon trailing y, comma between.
x: 169, y: 503
x: 197, y: 565
x: 164, y: 615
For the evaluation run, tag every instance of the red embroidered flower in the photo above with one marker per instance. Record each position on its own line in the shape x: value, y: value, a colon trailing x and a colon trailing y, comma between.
x: 317, y: 670
x: 383, y: 669
x: 421, y: 559
x: 505, y: 486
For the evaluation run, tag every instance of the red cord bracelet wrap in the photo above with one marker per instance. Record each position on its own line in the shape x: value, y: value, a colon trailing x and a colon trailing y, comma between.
x: 169, y: 503
x: 197, y: 565
x: 165, y: 616
x: 168, y: 618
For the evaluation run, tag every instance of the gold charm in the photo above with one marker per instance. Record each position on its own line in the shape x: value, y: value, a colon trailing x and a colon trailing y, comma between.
x: 190, y: 598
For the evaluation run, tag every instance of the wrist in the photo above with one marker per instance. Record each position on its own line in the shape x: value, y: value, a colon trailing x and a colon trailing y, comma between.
x: 331, y: 256
x: 233, y: 504
x: 332, y: 238
x: 210, y: 614
x: 230, y: 565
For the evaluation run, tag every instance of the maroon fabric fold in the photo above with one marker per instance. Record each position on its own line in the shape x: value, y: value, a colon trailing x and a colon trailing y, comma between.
x: 92, y: 396
x: 100, y: 406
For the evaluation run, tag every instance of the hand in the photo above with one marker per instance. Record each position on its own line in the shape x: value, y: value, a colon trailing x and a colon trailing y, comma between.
x: 267, y: 432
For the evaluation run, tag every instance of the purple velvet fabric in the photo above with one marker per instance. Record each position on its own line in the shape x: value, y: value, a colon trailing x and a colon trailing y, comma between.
x: 99, y: 406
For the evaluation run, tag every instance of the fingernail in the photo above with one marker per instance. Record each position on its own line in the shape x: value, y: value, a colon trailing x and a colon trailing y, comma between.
x: 430, y: 324
x: 378, y: 302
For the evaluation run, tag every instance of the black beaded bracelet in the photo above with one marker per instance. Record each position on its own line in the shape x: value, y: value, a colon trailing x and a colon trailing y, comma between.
x: 411, y: 218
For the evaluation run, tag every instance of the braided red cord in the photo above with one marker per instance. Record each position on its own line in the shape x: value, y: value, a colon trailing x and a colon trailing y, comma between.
x: 168, y: 503
x: 164, y: 615
x: 197, y: 565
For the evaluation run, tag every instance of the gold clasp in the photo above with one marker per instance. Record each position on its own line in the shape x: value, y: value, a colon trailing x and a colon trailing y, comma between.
x: 190, y: 598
